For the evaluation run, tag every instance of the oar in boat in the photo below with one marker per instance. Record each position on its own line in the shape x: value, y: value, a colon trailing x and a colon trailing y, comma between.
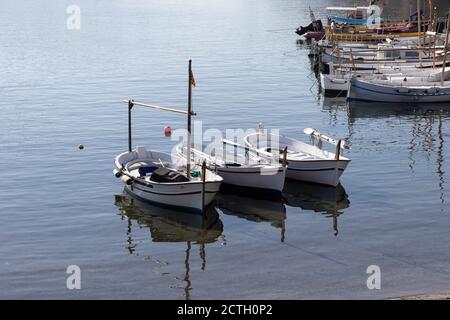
x: 246, y: 148
x: 316, y: 134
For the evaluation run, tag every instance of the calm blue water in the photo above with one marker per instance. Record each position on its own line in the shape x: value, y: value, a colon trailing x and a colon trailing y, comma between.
x: 62, y: 206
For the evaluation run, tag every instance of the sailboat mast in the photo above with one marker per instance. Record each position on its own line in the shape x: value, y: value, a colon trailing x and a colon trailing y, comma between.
x: 189, y: 124
x: 444, y: 62
x: 419, y: 29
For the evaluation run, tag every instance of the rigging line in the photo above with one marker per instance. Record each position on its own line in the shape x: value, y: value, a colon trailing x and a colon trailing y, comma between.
x: 278, y: 30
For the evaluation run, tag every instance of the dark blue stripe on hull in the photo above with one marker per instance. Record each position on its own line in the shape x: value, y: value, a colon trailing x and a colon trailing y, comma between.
x: 173, y: 194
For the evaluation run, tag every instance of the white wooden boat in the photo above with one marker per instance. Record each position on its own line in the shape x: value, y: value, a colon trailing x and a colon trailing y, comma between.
x: 304, y: 162
x: 163, y: 179
x: 339, y: 81
x: 405, y: 89
x: 241, y: 172
x: 158, y: 178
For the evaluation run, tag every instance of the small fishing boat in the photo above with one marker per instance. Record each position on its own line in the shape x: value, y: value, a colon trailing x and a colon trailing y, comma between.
x: 339, y: 81
x: 352, y: 15
x: 163, y: 179
x: 253, y: 173
x: 304, y: 162
x: 405, y: 89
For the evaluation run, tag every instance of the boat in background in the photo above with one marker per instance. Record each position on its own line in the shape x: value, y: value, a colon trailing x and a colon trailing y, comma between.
x: 355, y: 16
x: 407, y: 89
x: 338, y: 83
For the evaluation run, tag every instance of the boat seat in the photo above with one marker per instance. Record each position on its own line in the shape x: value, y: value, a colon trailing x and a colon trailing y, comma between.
x: 167, y: 175
x: 143, y: 171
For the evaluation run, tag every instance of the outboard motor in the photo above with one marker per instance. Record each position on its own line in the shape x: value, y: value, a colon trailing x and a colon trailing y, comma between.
x: 315, y: 26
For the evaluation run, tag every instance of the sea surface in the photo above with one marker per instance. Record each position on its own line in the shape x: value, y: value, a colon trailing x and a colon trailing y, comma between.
x: 62, y: 206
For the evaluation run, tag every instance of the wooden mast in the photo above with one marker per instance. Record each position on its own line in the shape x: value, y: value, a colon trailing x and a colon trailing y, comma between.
x: 419, y: 29
x: 189, y: 124
x: 444, y: 62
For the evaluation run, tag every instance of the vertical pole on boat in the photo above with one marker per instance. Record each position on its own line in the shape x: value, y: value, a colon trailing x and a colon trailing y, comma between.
x: 130, y: 106
x: 203, y: 186
x: 224, y: 152
x: 410, y: 13
x: 444, y: 62
x: 419, y: 29
x: 431, y: 22
x: 285, y: 156
x: 353, y: 61
x: 434, y: 50
x: 339, y: 55
x: 338, y: 150
x: 189, y: 124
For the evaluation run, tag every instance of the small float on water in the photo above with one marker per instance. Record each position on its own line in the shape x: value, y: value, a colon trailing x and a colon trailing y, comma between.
x: 164, y: 179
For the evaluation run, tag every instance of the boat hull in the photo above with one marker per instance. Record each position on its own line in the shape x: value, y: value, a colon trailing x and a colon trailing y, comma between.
x: 181, y: 197
x: 338, y: 86
x: 304, y: 162
x: 318, y: 171
x: 316, y: 35
x: 366, y: 91
x: 271, y: 178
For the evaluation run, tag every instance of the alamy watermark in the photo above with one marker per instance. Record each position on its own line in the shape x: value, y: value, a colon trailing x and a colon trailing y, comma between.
x: 73, y: 281
x: 374, y: 280
x: 229, y: 146
x: 373, y: 17
x: 73, y: 21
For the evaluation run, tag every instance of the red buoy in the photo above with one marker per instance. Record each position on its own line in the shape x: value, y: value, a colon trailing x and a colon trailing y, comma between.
x: 167, y: 131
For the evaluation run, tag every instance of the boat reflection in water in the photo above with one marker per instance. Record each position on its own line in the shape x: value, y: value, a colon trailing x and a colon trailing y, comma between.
x: 318, y: 198
x: 427, y: 129
x: 361, y: 109
x: 169, y: 225
x: 253, y: 209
